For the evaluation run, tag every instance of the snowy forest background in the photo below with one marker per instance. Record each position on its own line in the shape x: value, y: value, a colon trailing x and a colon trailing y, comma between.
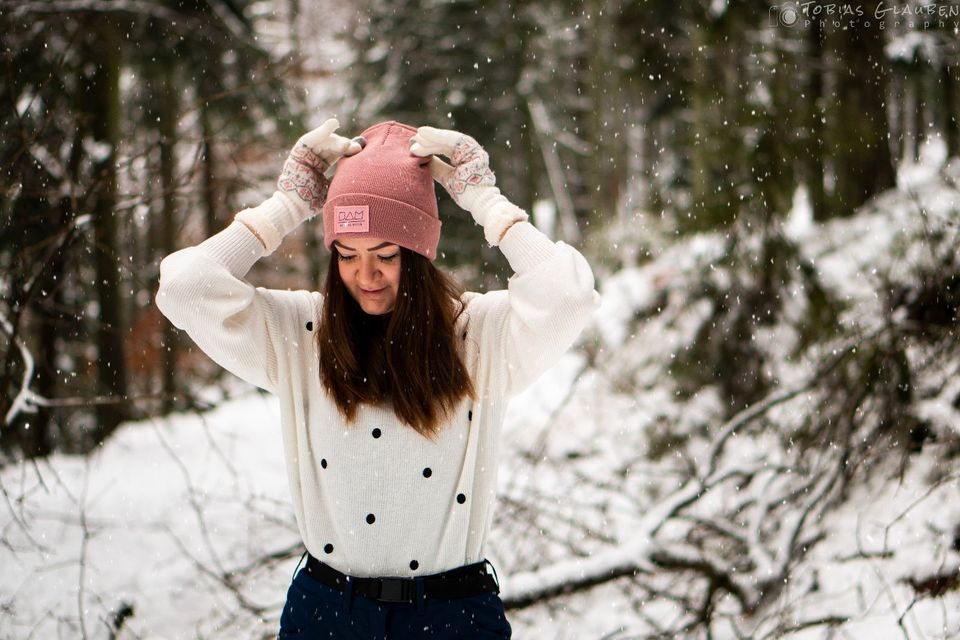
x: 757, y: 436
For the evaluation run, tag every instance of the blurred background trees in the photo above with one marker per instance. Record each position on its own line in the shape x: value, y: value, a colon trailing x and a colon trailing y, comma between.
x: 115, y: 118
x: 724, y: 166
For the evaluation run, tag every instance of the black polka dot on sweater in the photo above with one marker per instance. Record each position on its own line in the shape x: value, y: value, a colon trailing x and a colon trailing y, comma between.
x: 377, y: 433
x: 414, y: 564
x: 461, y: 498
x: 427, y: 472
x: 323, y: 463
x: 309, y: 325
x: 470, y: 415
x: 328, y: 548
x: 371, y: 518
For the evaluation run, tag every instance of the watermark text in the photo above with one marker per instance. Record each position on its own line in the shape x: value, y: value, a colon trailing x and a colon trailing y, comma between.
x: 881, y: 15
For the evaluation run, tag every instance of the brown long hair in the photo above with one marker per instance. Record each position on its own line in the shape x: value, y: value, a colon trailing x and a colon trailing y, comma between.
x: 409, y: 357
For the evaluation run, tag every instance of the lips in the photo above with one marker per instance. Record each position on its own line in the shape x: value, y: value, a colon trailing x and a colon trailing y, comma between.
x: 372, y: 293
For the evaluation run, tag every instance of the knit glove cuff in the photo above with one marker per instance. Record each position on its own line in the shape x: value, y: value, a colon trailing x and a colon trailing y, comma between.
x: 492, y: 210
x: 275, y: 218
x: 470, y: 182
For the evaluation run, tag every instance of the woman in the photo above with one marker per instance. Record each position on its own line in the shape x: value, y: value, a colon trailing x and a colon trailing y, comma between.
x: 392, y: 381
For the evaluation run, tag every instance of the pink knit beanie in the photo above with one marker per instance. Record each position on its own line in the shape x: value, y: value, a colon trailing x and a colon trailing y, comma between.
x: 384, y: 191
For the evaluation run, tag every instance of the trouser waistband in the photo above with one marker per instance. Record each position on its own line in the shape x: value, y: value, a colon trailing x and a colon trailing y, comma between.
x: 461, y: 582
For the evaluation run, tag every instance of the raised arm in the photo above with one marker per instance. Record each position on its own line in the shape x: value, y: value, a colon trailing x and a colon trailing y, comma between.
x: 551, y: 295
x: 202, y: 288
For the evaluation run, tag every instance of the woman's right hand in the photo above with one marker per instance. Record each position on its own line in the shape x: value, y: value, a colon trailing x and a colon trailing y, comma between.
x: 302, y: 187
x: 328, y: 145
x: 302, y: 176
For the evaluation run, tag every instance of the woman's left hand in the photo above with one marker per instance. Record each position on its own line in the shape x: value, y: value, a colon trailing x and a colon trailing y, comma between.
x: 471, y: 164
x: 470, y: 182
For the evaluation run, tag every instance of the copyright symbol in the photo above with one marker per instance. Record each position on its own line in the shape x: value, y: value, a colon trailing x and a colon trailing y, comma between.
x: 786, y: 15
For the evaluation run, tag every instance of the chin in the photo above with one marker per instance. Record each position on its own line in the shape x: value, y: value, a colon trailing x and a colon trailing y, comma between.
x: 376, y: 310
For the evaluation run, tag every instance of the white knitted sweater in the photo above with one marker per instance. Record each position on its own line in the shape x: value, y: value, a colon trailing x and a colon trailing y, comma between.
x: 376, y: 498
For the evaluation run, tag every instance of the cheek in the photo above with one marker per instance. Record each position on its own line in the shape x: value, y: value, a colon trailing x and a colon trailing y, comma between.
x: 344, y: 275
x: 395, y: 278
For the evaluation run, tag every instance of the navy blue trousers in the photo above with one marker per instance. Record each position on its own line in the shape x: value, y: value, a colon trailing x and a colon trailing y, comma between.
x: 315, y: 611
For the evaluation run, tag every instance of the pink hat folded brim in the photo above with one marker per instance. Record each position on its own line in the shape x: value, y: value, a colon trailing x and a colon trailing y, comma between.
x: 394, y: 221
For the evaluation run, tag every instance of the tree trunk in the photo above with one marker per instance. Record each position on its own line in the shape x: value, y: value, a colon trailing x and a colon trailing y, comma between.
x: 921, y: 109
x: 908, y: 132
x: 49, y: 333
x: 774, y: 156
x: 948, y: 80
x: 168, y: 115
x: 211, y: 200
x: 604, y: 124
x: 716, y: 154
x: 862, y: 162
x: 104, y: 110
x: 813, y: 158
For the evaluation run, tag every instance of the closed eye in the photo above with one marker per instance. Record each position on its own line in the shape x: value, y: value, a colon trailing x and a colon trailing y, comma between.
x: 390, y: 258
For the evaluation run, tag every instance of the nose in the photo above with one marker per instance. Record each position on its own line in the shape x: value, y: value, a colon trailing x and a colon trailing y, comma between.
x: 369, y: 274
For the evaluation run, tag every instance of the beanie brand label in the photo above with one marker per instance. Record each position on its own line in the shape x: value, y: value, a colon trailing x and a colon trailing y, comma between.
x: 351, y: 219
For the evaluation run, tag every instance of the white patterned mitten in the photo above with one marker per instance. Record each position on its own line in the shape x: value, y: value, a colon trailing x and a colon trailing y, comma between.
x: 302, y: 187
x: 470, y: 182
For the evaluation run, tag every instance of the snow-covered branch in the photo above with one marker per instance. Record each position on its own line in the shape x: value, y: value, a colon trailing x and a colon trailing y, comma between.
x: 25, y: 400
x: 739, y: 524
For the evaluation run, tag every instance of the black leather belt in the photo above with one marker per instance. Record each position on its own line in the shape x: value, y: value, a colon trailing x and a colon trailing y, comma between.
x: 462, y: 582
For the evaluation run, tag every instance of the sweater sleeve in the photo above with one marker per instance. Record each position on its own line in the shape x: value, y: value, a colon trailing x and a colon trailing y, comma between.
x: 203, y: 292
x: 548, y: 301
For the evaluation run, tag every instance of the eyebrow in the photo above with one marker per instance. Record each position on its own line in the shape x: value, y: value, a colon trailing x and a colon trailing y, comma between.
x: 379, y: 246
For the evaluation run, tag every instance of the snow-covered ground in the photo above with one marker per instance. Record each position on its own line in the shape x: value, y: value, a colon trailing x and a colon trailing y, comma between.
x: 133, y: 523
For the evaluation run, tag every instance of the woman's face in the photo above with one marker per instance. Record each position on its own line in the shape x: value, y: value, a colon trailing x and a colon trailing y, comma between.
x: 370, y: 269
